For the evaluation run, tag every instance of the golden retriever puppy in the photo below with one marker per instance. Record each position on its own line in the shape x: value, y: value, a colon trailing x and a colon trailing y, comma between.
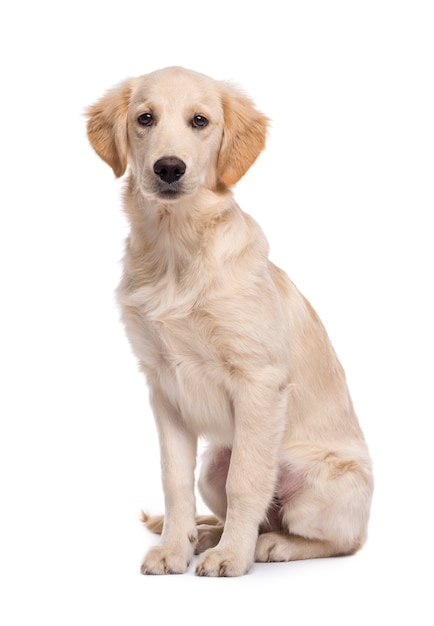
x: 231, y: 350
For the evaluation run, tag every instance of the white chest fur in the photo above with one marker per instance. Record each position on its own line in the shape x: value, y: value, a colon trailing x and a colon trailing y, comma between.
x: 176, y: 350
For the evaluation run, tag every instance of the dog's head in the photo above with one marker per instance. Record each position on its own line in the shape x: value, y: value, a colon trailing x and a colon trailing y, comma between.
x: 178, y: 130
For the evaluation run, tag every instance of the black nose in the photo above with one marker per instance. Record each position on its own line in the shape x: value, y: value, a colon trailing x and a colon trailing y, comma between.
x: 169, y: 169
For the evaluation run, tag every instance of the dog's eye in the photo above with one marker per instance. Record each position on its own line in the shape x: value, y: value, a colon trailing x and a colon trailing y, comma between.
x: 199, y: 121
x: 145, y: 119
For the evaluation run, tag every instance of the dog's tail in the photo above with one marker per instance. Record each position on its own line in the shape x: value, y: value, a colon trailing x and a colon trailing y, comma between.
x: 155, y: 523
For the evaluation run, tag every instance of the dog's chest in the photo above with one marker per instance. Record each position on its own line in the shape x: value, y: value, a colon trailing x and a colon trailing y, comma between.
x: 170, y: 336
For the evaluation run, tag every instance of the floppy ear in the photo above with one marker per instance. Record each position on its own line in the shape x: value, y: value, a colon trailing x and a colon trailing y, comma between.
x: 244, y: 134
x: 107, y: 127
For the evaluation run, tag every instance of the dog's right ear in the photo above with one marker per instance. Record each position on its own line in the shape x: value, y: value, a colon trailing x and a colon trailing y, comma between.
x: 107, y: 127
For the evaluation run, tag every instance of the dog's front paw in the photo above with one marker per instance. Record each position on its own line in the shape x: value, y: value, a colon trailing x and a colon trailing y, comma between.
x: 222, y: 562
x: 165, y: 560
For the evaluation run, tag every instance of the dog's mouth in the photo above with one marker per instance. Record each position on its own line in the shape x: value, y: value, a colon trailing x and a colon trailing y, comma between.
x: 170, y: 193
x: 163, y: 191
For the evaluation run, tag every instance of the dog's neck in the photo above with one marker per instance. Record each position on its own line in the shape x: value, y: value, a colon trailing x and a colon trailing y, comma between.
x: 188, y: 249
x: 206, y: 229
x: 177, y: 227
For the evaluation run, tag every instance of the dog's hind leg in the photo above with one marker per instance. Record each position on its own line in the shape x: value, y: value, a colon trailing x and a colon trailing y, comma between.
x: 282, y: 546
x: 208, y: 536
x: 326, y: 515
x: 212, y: 480
x: 212, y: 488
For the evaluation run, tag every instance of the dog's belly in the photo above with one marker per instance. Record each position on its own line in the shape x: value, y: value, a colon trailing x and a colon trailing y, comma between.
x: 186, y: 369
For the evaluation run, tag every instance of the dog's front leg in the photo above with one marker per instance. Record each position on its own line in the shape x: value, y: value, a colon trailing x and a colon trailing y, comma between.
x: 259, y: 420
x: 178, y: 458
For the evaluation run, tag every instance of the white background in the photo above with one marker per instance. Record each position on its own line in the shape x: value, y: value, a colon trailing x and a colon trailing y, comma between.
x: 345, y: 195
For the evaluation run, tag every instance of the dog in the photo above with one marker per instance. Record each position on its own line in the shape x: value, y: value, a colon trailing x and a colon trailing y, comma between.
x: 231, y: 350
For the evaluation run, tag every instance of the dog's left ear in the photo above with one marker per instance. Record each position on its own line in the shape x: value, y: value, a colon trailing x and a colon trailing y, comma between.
x: 244, y: 134
x: 107, y: 127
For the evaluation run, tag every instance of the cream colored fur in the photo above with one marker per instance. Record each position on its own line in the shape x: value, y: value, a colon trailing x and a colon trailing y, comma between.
x: 231, y: 350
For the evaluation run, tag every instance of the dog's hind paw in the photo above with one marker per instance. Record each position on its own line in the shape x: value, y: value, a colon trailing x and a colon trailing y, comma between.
x: 208, y: 537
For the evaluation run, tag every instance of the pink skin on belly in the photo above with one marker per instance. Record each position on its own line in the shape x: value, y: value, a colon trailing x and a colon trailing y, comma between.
x: 289, y: 484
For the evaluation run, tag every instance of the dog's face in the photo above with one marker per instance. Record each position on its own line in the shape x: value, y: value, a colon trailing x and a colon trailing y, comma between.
x: 178, y: 130
x: 175, y: 129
